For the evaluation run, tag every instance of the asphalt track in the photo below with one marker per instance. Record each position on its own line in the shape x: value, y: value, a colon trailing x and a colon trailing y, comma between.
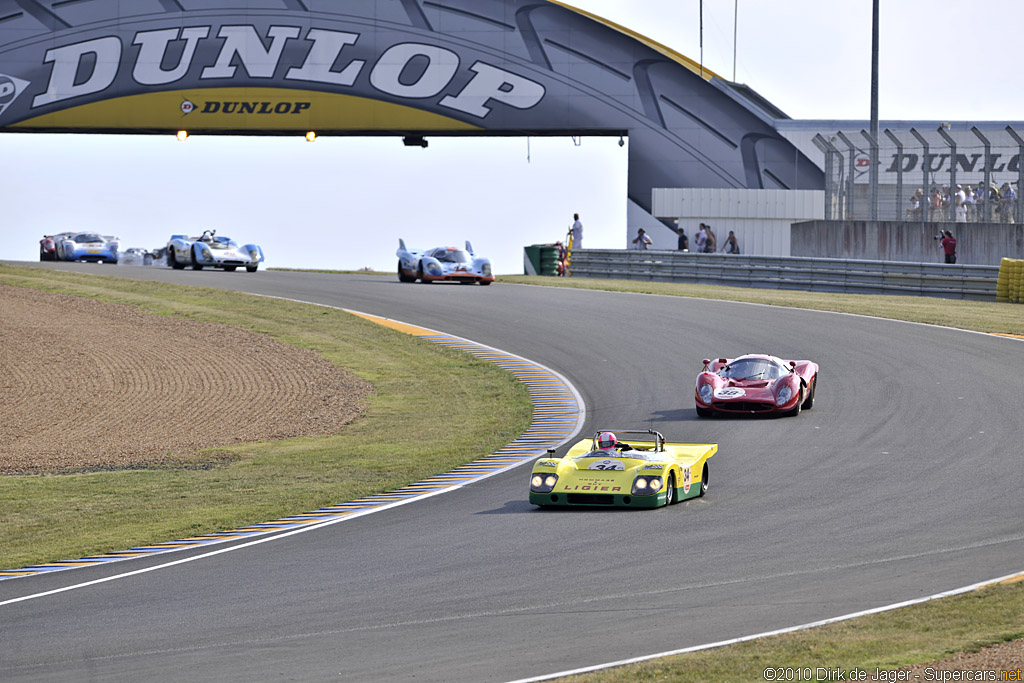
x: 903, y: 481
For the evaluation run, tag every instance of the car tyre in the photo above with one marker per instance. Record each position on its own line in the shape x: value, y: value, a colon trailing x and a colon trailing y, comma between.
x: 173, y: 262
x: 230, y: 269
x: 419, y: 274
x: 704, y: 412
x: 196, y: 265
x: 670, y: 490
x: 484, y: 283
x: 402, y: 277
x: 809, y: 403
x: 799, y: 404
x: 251, y: 269
x: 703, y: 480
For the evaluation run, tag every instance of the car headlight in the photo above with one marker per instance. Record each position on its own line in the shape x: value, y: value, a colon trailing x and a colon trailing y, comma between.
x: 207, y: 256
x: 705, y: 392
x: 434, y: 268
x: 785, y: 393
x: 646, y: 486
x: 254, y: 255
x: 543, y: 482
x: 486, y: 269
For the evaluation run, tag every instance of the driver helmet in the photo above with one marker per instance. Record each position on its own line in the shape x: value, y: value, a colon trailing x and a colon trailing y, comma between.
x: 207, y: 237
x: 606, y: 441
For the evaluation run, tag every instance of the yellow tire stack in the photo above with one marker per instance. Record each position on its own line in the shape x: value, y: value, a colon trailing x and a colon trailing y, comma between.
x: 1017, y: 281
x: 1003, y: 281
x: 1010, y: 283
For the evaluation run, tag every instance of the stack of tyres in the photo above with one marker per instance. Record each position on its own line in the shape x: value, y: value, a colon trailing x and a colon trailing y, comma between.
x: 549, y: 260
x: 1003, y: 281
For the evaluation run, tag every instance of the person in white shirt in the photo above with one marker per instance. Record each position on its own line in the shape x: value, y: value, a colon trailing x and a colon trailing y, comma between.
x: 577, y: 232
x: 642, y: 240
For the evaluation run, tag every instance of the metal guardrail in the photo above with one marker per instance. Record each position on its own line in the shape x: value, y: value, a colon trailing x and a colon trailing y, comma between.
x: 793, y: 272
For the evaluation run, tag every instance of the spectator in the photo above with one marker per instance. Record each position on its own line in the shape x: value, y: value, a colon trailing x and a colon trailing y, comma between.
x: 935, y: 207
x: 711, y: 245
x: 684, y: 241
x: 702, y: 238
x: 914, y: 212
x: 731, y: 245
x: 960, y: 205
x: 948, y: 244
x: 577, y: 232
x: 970, y: 202
x: 642, y: 240
x: 1007, y: 203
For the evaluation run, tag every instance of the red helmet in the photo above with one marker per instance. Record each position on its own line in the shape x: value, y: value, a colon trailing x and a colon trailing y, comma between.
x: 606, y: 440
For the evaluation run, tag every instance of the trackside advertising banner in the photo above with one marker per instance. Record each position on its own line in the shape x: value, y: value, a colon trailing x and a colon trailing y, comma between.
x: 523, y: 67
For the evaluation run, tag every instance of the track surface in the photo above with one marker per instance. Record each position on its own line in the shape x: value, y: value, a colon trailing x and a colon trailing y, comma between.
x: 903, y: 481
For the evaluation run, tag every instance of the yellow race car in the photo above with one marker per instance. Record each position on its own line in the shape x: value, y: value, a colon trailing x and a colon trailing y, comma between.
x: 604, y: 471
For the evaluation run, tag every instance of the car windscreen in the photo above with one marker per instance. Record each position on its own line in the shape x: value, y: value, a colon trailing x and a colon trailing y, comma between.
x: 752, y: 368
x: 452, y: 256
x: 87, y: 237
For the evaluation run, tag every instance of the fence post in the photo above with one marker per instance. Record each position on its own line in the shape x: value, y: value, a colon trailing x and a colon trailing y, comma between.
x: 924, y: 170
x: 873, y: 144
x: 849, y: 180
x: 988, y: 171
x: 899, y: 173
x: 1020, y: 173
x: 952, y: 170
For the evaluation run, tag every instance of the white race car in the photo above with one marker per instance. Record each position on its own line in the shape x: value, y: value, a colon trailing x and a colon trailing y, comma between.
x: 213, y: 251
x: 443, y: 263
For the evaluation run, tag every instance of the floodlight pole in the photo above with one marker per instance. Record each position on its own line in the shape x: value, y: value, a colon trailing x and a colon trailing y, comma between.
x: 873, y: 170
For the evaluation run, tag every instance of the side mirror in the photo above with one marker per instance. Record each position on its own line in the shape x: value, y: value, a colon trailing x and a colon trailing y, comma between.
x: 551, y: 454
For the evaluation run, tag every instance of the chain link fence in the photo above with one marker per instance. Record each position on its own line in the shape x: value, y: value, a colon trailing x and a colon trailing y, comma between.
x: 943, y: 175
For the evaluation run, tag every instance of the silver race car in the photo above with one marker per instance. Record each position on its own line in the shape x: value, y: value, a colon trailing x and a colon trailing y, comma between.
x: 213, y: 251
x: 443, y: 264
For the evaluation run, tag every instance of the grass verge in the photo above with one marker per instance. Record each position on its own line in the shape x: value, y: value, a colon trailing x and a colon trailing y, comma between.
x: 405, y: 435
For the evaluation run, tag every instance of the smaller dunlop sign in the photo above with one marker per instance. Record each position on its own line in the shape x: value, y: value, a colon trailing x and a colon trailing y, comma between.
x: 245, y: 109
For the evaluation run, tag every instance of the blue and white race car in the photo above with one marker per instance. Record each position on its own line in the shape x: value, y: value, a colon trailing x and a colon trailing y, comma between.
x: 213, y: 251
x: 443, y: 264
x: 87, y: 246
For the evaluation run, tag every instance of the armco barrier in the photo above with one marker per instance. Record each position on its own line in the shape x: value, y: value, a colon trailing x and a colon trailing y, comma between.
x: 792, y: 272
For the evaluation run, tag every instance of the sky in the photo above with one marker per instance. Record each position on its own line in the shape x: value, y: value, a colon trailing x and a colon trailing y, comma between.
x: 343, y: 203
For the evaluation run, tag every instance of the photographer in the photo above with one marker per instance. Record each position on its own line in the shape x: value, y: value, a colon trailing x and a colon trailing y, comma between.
x: 948, y: 244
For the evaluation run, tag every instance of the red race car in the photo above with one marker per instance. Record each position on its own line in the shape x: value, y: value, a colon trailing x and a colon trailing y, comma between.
x: 755, y: 384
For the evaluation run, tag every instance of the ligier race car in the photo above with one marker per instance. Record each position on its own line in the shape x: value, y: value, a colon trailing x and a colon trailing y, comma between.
x: 756, y: 383
x: 603, y: 471
x: 213, y: 251
x: 87, y: 246
x: 48, y: 245
x: 443, y: 263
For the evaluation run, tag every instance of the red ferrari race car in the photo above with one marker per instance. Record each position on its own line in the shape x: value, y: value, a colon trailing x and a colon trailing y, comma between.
x: 755, y: 384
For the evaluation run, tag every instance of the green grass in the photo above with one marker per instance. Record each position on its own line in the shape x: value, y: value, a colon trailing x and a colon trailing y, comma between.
x: 407, y: 432
x: 982, y: 316
x: 96, y: 512
x: 912, y: 635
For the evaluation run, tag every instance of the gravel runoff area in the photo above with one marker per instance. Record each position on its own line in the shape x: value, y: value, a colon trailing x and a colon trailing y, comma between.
x: 90, y: 385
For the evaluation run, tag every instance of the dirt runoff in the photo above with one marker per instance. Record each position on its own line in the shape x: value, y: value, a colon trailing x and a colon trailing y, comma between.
x: 89, y: 385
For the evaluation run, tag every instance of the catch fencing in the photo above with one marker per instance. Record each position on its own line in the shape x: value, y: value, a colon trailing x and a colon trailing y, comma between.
x: 794, y: 272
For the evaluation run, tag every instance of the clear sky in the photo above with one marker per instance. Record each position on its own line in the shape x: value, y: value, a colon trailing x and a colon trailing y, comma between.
x: 343, y: 203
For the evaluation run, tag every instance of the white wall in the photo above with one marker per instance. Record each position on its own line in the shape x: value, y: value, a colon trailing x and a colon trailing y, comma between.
x: 760, y: 218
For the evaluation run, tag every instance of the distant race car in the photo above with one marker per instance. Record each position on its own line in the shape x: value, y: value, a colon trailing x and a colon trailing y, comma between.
x: 87, y: 246
x: 48, y: 246
x: 603, y: 471
x: 441, y: 264
x: 756, y: 384
x: 213, y: 251
x: 136, y: 257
